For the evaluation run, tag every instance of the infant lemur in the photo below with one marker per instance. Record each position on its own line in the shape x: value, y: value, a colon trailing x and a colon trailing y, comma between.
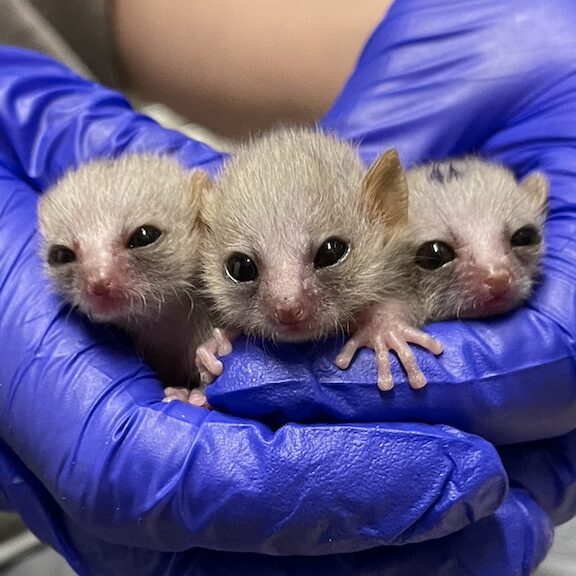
x: 301, y: 240
x: 477, y: 236
x: 120, y: 243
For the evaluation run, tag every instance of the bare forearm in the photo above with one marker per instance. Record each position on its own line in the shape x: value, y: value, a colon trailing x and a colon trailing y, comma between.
x: 242, y: 66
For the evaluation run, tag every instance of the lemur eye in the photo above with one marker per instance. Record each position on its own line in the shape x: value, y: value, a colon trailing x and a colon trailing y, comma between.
x: 433, y: 255
x: 241, y: 268
x: 525, y: 236
x: 58, y: 255
x: 143, y: 236
x: 332, y: 251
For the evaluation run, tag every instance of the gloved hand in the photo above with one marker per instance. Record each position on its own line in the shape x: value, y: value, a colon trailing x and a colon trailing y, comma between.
x: 435, y: 81
x: 438, y: 80
x: 112, y: 477
x: 510, y: 542
x: 419, y: 16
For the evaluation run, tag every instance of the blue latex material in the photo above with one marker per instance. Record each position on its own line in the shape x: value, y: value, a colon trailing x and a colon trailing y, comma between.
x: 512, y: 541
x: 120, y: 483
x: 91, y: 454
x: 499, y: 79
x: 436, y: 81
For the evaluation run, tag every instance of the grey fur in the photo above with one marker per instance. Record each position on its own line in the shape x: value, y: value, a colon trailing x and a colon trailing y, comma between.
x: 277, y: 200
x: 94, y: 210
x: 475, y: 207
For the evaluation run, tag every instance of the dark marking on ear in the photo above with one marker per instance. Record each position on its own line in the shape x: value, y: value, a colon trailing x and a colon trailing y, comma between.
x: 452, y: 173
x: 385, y: 189
x: 436, y: 174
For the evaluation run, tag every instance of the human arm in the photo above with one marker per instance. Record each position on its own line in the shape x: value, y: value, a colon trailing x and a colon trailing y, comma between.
x: 241, y: 68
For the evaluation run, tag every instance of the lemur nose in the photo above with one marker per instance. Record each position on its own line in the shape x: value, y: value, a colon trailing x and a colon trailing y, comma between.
x: 498, y: 282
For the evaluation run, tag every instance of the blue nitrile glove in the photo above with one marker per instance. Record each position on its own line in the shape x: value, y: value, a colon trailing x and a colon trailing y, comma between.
x: 510, y: 542
x: 439, y: 79
x: 547, y: 469
x: 92, y: 458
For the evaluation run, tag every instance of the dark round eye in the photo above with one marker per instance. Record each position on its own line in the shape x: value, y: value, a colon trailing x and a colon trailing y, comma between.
x: 332, y: 251
x: 525, y: 236
x: 433, y: 255
x: 143, y: 236
x: 58, y: 255
x: 241, y: 268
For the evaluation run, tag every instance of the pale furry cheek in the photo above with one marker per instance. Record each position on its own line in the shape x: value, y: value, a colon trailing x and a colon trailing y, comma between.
x: 524, y: 286
x: 64, y: 284
x: 234, y: 305
x: 527, y: 273
x: 332, y: 317
x: 440, y: 300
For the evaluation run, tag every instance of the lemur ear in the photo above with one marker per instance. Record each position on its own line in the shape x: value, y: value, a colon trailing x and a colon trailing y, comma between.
x: 385, y: 190
x: 203, y: 195
x: 199, y: 182
x: 536, y: 184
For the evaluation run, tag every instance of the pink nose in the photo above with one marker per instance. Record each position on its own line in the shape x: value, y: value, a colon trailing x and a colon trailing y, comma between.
x: 498, y: 282
x: 100, y: 287
x: 290, y: 312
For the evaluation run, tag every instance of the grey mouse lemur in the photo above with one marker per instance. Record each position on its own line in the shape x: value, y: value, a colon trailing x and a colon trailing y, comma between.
x: 120, y: 243
x: 300, y: 240
x: 477, y: 236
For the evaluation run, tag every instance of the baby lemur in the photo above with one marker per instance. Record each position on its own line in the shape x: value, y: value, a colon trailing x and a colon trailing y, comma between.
x: 477, y: 236
x: 300, y: 240
x: 120, y: 243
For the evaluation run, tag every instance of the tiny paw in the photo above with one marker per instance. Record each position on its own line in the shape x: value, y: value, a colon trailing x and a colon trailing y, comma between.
x: 416, y: 380
x: 180, y: 394
x: 346, y: 355
x: 207, y: 363
x: 396, y: 340
x: 385, y: 381
x: 198, y: 398
x: 223, y: 341
x: 422, y: 339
